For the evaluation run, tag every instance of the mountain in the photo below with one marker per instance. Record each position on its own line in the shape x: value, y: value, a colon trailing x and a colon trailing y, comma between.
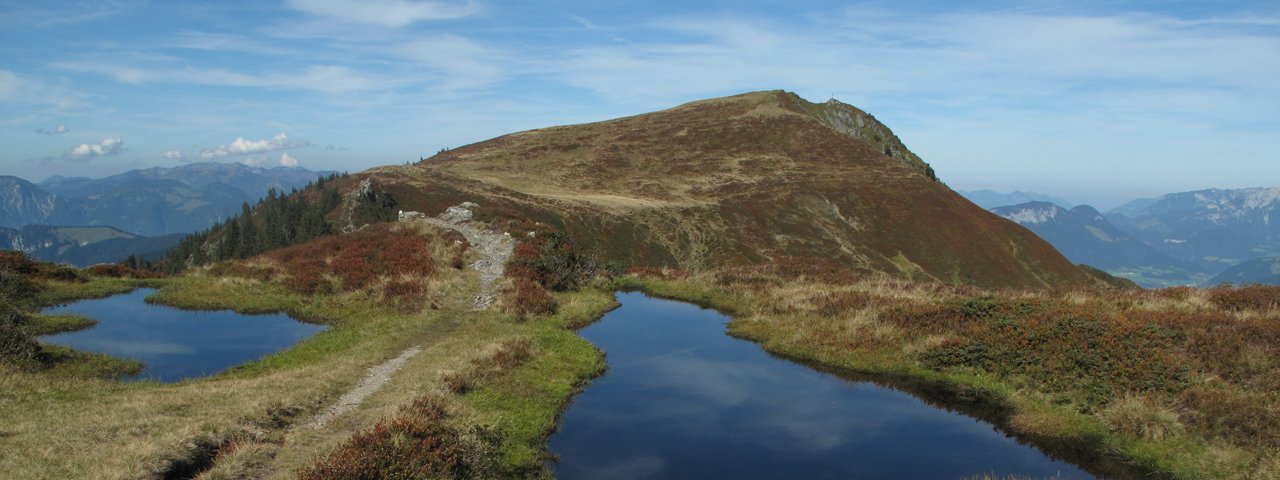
x: 83, y: 246
x: 150, y: 202
x: 22, y: 202
x: 1085, y: 236
x: 990, y: 199
x: 253, y: 181
x: 1264, y: 271
x: 1213, y: 228
x: 758, y: 178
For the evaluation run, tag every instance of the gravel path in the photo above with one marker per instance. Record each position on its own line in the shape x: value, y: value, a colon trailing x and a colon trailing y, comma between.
x: 495, y: 249
x: 377, y: 376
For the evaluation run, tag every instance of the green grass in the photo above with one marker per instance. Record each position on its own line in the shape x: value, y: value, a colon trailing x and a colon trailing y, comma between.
x: 525, y: 403
x: 47, y: 324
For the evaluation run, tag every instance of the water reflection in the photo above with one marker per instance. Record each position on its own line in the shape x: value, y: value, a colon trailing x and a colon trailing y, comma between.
x: 683, y: 400
x: 177, y: 344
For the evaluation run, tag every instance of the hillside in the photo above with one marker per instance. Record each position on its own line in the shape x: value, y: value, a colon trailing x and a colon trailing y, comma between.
x: 749, y: 179
x: 83, y: 246
x: 1083, y: 235
x: 1259, y: 271
x: 1213, y: 228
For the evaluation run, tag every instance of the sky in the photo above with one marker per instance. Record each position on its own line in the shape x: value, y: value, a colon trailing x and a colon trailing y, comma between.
x: 1095, y: 101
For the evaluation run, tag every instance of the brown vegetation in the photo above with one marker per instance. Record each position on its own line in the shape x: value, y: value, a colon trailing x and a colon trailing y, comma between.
x: 115, y: 270
x: 420, y: 442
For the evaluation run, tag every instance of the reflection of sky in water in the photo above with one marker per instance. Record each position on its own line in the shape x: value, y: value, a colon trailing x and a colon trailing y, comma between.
x: 176, y: 344
x: 683, y: 400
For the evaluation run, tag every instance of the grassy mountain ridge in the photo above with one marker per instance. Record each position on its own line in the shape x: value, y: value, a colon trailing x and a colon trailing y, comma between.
x: 744, y: 180
x: 738, y: 180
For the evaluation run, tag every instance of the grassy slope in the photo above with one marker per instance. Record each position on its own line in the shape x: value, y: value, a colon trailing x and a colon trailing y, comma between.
x: 733, y: 181
x: 1160, y: 429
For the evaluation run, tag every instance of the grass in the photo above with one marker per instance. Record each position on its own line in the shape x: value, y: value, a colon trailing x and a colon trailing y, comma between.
x: 251, y: 421
x: 1177, y: 381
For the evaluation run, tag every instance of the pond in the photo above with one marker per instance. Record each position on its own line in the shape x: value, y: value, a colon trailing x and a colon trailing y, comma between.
x: 177, y: 344
x: 682, y: 399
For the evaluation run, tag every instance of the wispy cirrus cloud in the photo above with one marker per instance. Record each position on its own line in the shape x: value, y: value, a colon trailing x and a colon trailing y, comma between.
x: 241, y: 146
x: 85, y: 151
x: 58, y: 130
x: 322, y: 78
x: 386, y: 13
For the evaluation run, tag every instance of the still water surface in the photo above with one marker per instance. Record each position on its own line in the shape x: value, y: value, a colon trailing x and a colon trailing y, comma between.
x: 683, y: 400
x: 177, y: 344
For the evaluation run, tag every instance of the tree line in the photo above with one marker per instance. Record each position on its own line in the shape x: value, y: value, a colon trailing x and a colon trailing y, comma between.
x: 277, y: 220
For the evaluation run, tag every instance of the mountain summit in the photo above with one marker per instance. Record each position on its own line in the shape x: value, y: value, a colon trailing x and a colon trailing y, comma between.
x: 740, y: 180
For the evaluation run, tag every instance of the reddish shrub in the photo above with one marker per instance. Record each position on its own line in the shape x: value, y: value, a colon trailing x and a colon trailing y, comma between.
x: 115, y: 270
x: 1255, y: 297
x: 418, y: 443
x: 532, y: 299
x: 357, y: 258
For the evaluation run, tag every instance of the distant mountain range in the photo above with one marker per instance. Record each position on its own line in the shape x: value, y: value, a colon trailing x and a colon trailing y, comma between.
x: 1177, y: 239
x: 1265, y: 271
x: 1212, y: 228
x: 990, y: 199
x: 1084, y: 235
x: 83, y: 246
x: 150, y: 202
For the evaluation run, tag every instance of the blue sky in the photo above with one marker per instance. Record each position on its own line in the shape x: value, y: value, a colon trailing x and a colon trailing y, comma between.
x: 1095, y: 101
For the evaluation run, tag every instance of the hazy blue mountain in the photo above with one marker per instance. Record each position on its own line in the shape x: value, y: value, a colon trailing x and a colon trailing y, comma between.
x: 254, y: 181
x: 149, y: 202
x: 1084, y: 235
x: 83, y: 246
x: 1264, y: 271
x: 22, y: 203
x: 1214, y: 228
x: 989, y: 199
x: 1133, y: 207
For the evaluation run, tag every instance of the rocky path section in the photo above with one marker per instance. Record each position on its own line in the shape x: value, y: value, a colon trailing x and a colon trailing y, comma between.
x: 495, y: 247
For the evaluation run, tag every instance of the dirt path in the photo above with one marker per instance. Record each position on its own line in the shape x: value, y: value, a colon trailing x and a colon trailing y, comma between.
x: 495, y: 249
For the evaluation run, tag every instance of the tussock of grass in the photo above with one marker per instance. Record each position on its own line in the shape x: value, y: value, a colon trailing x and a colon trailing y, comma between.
x: 1142, y: 417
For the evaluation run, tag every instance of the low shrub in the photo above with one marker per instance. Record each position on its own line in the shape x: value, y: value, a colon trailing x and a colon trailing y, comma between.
x: 420, y: 442
x: 17, y: 347
x: 1254, y: 297
x: 529, y: 298
x: 115, y: 270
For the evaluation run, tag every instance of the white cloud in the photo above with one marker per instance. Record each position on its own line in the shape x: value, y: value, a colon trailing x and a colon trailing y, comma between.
x: 287, y: 160
x: 241, y: 146
x: 108, y: 146
x: 321, y: 78
x: 387, y: 13
x: 58, y: 130
x: 172, y: 155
